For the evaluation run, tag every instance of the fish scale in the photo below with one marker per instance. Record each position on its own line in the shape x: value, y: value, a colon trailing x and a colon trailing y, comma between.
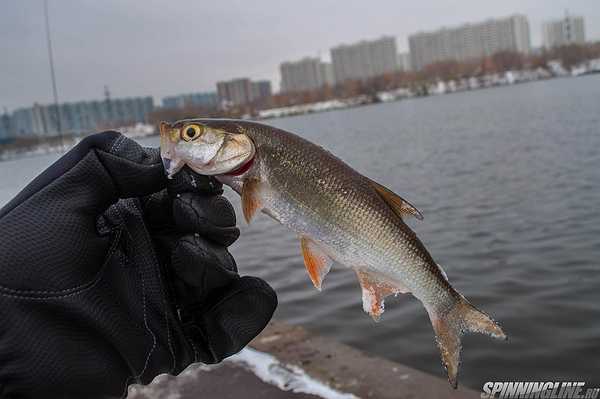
x: 338, y: 214
x: 346, y: 199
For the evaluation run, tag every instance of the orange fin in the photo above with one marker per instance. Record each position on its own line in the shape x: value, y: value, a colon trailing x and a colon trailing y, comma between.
x: 316, y: 261
x: 374, y: 291
x: 251, y: 201
x: 398, y: 204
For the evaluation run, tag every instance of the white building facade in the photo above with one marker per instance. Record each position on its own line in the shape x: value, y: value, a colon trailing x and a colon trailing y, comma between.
x: 470, y: 41
x: 404, y: 62
x: 562, y: 32
x: 365, y: 59
x: 242, y: 91
x: 303, y: 75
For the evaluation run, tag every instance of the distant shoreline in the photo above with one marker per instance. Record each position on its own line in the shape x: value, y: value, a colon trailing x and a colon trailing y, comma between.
x: 33, y: 146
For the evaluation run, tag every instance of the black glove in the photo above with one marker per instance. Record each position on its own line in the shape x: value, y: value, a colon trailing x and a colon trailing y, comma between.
x: 98, y: 291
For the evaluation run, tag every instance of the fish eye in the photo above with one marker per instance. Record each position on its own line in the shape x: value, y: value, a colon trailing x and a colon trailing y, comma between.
x: 191, y: 132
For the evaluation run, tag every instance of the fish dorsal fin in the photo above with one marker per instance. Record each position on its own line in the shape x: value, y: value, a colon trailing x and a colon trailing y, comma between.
x: 317, y: 262
x: 251, y: 200
x: 398, y: 204
x: 375, y: 289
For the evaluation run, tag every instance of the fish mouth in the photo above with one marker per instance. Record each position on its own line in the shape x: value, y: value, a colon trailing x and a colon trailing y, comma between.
x: 170, y: 162
x: 166, y: 163
x: 172, y: 166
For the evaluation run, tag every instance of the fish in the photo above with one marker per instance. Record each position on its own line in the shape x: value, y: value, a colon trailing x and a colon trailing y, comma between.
x: 339, y: 215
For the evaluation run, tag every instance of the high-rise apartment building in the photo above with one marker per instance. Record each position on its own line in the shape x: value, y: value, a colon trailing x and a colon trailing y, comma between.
x: 4, y: 126
x: 208, y: 100
x: 79, y: 117
x: 305, y: 74
x: 470, y: 41
x: 235, y: 91
x: 569, y: 30
x: 327, y: 73
x: 404, y: 63
x: 365, y: 59
x: 260, y: 90
x: 242, y: 91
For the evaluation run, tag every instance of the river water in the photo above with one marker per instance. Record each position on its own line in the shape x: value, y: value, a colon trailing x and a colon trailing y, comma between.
x: 508, y: 180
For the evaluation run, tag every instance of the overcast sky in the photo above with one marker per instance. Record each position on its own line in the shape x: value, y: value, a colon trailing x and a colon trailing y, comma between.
x: 161, y: 47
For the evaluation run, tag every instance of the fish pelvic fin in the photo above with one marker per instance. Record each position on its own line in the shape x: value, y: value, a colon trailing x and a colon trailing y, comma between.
x: 317, y: 262
x: 251, y: 200
x: 450, y: 326
x: 399, y: 205
x: 375, y: 288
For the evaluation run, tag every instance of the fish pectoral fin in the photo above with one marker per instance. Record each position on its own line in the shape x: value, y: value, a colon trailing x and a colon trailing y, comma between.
x: 251, y: 200
x: 317, y: 262
x: 375, y: 288
x: 398, y: 204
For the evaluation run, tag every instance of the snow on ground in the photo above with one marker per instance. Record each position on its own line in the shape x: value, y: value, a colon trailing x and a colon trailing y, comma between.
x: 285, y: 377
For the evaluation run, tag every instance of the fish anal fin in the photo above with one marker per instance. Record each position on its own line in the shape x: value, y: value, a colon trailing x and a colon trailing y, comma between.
x: 374, y: 291
x: 251, y: 200
x: 317, y: 262
x: 398, y: 204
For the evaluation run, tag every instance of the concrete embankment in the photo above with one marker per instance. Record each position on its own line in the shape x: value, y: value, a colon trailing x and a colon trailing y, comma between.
x: 288, y: 362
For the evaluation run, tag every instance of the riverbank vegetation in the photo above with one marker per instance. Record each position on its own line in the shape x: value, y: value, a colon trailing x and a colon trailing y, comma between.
x: 416, y: 82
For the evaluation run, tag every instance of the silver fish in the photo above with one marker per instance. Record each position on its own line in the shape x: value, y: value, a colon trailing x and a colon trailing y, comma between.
x: 338, y: 214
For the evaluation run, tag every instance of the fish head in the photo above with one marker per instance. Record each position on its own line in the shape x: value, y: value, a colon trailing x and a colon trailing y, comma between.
x: 206, y: 149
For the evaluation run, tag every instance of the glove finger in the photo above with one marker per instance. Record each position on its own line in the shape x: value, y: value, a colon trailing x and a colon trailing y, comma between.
x: 232, y: 318
x: 213, y: 217
x: 135, y: 170
x: 203, y: 264
x: 158, y: 211
x: 188, y: 181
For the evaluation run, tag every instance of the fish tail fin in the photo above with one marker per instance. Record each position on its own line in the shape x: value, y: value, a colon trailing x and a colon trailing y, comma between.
x: 449, y: 327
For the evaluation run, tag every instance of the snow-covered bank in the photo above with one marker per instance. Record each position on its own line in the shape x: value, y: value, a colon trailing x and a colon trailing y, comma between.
x: 288, y: 362
x: 284, y: 376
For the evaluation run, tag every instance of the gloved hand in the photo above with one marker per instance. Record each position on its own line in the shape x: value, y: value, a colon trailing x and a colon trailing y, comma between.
x: 108, y: 279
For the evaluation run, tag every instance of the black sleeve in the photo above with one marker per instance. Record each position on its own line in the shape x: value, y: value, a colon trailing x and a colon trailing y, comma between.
x: 82, y: 305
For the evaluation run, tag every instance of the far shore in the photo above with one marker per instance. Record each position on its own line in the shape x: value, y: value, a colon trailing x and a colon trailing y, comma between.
x: 36, y: 145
